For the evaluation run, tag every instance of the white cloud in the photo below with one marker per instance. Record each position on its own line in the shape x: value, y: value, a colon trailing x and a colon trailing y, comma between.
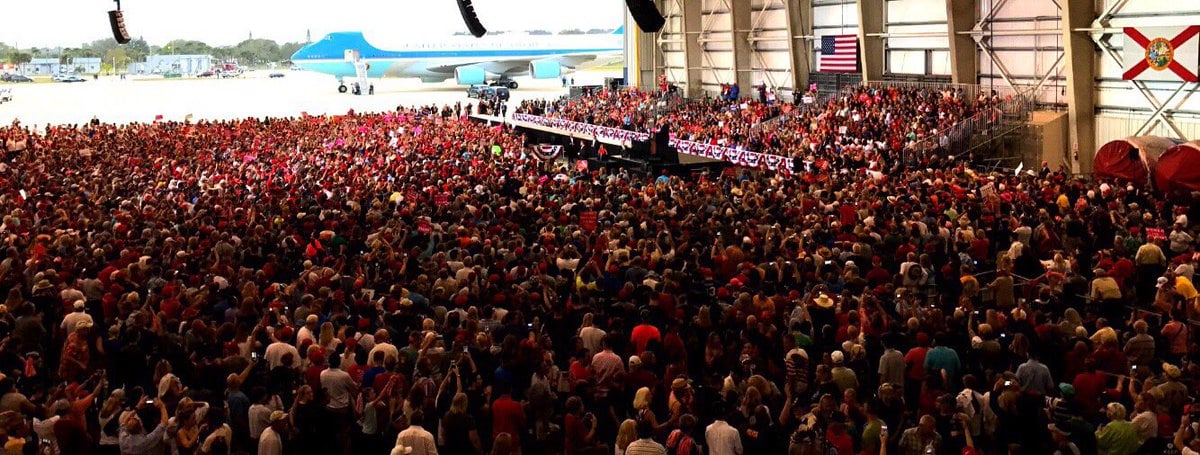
x: 51, y: 23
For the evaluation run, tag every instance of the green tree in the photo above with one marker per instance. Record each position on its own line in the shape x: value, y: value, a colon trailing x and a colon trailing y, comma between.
x: 138, y: 49
x: 286, y: 50
x: 16, y: 57
x: 118, y: 57
x: 101, y: 47
x: 258, y: 50
x: 188, y: 47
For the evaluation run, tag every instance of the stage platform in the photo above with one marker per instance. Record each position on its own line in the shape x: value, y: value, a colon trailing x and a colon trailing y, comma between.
x: 685, y: 159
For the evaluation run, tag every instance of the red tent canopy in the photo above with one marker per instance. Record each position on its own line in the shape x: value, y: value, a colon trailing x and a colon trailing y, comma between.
x: 1131, y: 159
x: 1178, y: 169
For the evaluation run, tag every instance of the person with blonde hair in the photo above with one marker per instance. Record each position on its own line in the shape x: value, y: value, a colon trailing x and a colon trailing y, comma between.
x: 641, y: 407
x: 327, y: 339
x: 1118, y: 436
x: 626, y: 434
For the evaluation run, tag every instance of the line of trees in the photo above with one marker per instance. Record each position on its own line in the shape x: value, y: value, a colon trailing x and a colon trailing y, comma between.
x: 250, y: 51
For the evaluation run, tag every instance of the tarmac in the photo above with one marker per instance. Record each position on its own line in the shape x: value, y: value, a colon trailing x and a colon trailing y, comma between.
x: 113, y: 100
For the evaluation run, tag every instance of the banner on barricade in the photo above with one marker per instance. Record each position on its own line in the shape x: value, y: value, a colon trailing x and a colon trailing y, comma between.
x: 738, y: 157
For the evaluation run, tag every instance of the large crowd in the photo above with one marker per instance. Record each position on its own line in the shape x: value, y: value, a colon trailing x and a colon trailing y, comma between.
x: 412, y: 282
x: 857, y: 127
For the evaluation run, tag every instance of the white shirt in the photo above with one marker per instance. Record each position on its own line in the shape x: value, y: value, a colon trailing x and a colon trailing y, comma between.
x: 69, y: 321
x: 259, y: 419
x: 591, y: 338
x: 420, y: 441
x: 269, y: 443
x: 276, y: 351
x: 339, y: 386
x: 389, y: 351
x: 722, y: 439
x: 304, y: 334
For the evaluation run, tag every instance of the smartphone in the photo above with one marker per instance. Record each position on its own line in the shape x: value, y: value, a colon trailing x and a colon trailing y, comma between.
x: 1134, y: 368
x: 883, y: 430
x: 253, y: 356
x: 148, y: 402
x: 529, y: 325
x: 466, y: 349
x: 1008, y: 383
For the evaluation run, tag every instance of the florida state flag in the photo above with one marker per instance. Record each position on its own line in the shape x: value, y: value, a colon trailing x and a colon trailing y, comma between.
x: 1162, y: 53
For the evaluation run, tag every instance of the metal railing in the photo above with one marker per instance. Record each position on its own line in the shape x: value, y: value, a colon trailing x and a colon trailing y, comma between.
x: 992, y: 123
x: 969, y: 91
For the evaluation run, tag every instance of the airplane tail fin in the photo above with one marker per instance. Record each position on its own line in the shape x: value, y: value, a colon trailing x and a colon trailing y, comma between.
x: 619, y: 31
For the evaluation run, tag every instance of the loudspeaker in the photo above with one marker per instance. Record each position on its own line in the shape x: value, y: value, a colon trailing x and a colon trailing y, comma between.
x: 116, y: 19
x: 646, y: 15
x: 472, y: 21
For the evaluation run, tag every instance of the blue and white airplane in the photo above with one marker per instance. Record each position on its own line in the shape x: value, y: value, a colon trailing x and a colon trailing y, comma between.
x: 493, y: 59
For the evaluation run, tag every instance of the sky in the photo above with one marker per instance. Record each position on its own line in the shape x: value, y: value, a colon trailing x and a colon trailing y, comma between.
x: 53, y: 23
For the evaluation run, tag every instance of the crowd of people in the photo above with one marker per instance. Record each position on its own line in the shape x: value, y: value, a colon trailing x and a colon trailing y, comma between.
x: 858, y: 127
x: 412, y: 282
x: 719, y: 120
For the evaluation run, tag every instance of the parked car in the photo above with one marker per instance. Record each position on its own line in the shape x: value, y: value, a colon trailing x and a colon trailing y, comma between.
x: 486, y: 91
x: 276, y: 75
x: 479, y: 91
x: 68, y: 78
x: 10, y: 77
x: 206, y: 74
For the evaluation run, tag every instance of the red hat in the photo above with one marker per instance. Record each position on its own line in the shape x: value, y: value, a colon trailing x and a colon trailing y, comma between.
x: 285, y: 333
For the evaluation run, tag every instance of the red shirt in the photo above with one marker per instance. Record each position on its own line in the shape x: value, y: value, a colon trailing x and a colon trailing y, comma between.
x: 642, y: 335
x: 1088, y: 387
x: 915, y: 359
x: 508, y: 417
x: 312, y: 376
x: 574, y: 434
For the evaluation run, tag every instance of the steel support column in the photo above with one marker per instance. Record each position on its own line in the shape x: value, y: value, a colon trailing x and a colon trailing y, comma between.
x: 1081, y: 81
x: 643, y: 58
x: 871, y: 19
x: 739, y: 18
x: 964, y: 63
x: 693, y: 52
x: 799, y: 28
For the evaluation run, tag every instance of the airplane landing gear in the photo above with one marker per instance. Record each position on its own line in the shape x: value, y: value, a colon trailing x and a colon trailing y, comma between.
x: 342, y: 88
x: 511, y: 84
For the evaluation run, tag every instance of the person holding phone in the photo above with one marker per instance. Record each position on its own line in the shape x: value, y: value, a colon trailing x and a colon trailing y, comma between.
x: 134, y: 440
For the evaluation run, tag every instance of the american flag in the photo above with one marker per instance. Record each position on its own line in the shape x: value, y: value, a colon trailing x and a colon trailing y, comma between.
x: 839, y: 54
